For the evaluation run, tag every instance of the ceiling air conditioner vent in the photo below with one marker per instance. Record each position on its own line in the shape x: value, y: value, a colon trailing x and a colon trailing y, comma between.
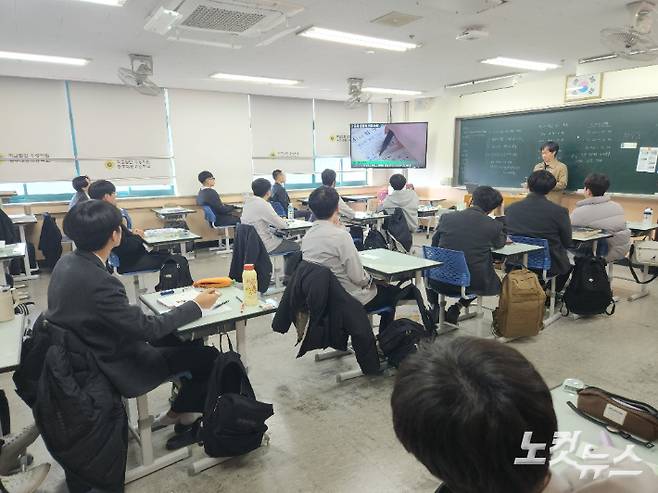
x: 218, y: 19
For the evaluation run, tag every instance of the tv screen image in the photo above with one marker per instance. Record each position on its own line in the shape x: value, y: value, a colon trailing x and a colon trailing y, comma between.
x: 388, y: 145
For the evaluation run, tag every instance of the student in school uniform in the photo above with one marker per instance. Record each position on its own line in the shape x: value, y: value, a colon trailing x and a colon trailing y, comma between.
x: 81, y: 187
x: 280, y: 195
x: 404, y: 198
x: 473, y: 232
x: 328, y: 243
x: 462, y: 409
x: 537, y: 217
x: 259, y: 213
x: 558, y: 169
x: 598, y: 211
x: 207, y: 196
x: 329, y: 180
x: 131, y: 251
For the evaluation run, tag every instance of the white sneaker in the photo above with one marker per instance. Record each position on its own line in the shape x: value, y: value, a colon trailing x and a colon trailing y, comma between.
x: 25, y: 482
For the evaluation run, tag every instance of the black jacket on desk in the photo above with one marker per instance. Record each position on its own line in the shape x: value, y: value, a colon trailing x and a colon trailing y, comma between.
x: 248, y: 248
x: 476, y: 234
x: 223, y: 216
x: 85, y: 298
x: 50, y: 241
x: 537, y: 217
x: 280, y: 195
x: 334, y: 315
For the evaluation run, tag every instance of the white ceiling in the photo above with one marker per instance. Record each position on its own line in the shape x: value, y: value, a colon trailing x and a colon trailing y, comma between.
x: 559, y: 31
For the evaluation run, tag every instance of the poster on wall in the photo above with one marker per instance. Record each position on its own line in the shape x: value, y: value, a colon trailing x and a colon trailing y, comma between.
x: 647, y: 160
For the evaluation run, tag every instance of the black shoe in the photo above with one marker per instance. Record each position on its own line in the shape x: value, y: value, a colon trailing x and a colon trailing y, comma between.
x: 186, y: 438
x: 452, y: 315
x: 180, y: 428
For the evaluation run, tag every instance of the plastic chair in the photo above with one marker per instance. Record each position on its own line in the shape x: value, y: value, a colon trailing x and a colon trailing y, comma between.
x: 453, y: 271
x: 113, y: 261
x: 279, y: 209
x: 210, y: 217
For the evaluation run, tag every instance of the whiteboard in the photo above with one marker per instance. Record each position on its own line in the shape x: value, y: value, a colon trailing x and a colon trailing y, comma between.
x: 332, y: 127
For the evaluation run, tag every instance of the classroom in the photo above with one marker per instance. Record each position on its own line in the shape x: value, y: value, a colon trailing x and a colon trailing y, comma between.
x: 328, y: 246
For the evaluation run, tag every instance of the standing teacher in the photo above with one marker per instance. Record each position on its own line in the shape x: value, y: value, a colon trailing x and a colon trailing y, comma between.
x: 558, y: 169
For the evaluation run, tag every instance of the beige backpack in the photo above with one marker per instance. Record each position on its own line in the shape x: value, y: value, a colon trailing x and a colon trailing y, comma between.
x: 521, y: 309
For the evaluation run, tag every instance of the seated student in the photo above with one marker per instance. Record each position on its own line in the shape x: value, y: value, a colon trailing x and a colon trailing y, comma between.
x: 329, y: 180
x: 280, y: 195
x: 404, y: 198
x: 81, y: 187
x: 132, y: 349
x: 258, y: 212
x: 598, y: 211
x: 473, y: 232
x: 208, y: 196
x: 132, y: 254
x: 328, y: 243
x: 537, y: 217
x: 462, y: 409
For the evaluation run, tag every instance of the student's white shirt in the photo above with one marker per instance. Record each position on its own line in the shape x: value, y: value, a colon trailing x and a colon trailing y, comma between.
x: 331, y: 245
x: 259, y: 213
x: 407, y: 200
x: 344, y: 209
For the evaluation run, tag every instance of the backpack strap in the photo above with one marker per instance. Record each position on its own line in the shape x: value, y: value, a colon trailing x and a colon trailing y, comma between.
x: 612, y: 311
x: 633, y: 273
x: 221, y: 337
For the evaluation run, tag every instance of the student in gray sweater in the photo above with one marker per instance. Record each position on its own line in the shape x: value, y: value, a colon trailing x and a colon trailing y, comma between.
x: 404, y: 198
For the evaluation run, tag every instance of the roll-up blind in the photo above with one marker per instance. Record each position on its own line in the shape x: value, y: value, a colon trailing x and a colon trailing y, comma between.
x: 332, y: 127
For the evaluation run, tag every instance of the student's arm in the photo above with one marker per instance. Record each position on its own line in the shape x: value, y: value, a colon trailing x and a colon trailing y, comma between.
x: 131, y: 244
x: 271, y: 217
x: 279, y: 195
x: 223, y: 209
x: 344, y: 209
x: 353, y: 266
x: 500, y: 236
x: 564, y: 226
x: 562, y: 178
x: 439, y: 230
x: 111, y: 304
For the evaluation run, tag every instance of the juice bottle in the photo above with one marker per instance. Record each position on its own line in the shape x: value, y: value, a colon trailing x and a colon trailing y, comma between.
x: 250, y: 285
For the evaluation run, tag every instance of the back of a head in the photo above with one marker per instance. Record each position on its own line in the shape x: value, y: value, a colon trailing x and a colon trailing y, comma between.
x: 80, y: 182
x: 90, y: 224
x: 462, y: 409
x: 276, y: 173
x: 397, y: 181
x: 101, y: 188
x: 328, y: 177
x: 487, y: 198
x: 597, y: 183
x: 260, y: 187
x: 541, y: 182
x: 203, y: 176
x: 323, y: 202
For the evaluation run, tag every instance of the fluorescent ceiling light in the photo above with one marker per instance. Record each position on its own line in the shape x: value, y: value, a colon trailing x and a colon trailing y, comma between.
x: 522, y: 64
x: 356, y: 39
x: 254, y: 79
x: 31, y: 57
x: 381, y: 90
x: 111, y: 3
x: 480, y: 81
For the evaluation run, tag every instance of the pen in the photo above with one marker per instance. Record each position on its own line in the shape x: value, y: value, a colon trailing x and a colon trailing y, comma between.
x: 238, y: 298
x: 387, y: 141
x: 217, y: 305
x: 164, y: 293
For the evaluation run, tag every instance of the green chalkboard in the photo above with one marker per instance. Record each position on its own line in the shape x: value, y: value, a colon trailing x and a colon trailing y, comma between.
x: 501, y: 150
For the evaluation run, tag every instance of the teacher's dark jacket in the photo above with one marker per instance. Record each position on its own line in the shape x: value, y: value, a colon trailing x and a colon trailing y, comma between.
x: 85, y: 298
x: 537, y: 217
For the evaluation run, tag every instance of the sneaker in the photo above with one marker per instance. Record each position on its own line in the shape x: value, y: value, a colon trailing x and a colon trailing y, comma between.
x: 14, y: 446
x: 186, y: 438
x: 25, y: 482
x: 452, y: 314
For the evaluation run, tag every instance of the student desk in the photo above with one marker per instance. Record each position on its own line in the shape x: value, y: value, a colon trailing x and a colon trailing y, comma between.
x: 639, y: 228
x: 582, y: 235
x: 508, y: 199
x: 7, y: 253
x: 226, y: 318
x: 392, y: 266
x: 11, y: 341
x: 294, y: 227
x: 171, y: 215
x: 359, y: 198
x: 367, y: 218
x: 22, y: 220
x: 169, y: 237
x: 5, y: 195
x: 431, y: 212
x: 511, y: 249
x: 431, y: 200
x: 568, y: 420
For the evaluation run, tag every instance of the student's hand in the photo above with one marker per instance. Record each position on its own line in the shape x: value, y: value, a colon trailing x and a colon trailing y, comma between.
x: 139, y: 232
x: 207, y: 299
x: 409, y: 137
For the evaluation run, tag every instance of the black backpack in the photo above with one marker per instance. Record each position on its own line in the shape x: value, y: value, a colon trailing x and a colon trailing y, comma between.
x: 589, y: 291
x: 174, y: 273
x: 399, y: 339
x: 375, y: 239
x: 233, y: 420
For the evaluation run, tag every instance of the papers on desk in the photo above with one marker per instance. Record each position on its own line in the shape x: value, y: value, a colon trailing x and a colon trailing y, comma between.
x: 171, y: 210
x: 178, y: 299
x: 587, y: 232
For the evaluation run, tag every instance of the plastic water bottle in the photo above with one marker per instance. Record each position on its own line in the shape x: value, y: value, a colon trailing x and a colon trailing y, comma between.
x: 291, y: 212
x: 647, y: 217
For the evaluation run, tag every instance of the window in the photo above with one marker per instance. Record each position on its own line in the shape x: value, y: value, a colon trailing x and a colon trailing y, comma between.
x: 345, y: 175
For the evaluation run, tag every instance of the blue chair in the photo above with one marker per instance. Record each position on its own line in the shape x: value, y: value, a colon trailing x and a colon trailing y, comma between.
x: 453, y: 271
x: 279, y: 209
x: 126, y: 216
x: 210, y: 217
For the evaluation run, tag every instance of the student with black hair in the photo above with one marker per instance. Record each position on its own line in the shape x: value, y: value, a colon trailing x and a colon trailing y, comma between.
x: 462, y: 408
x: 329, y: 180
x: 537, y: 217
x: 598, y: 211
x: 328, y: 243
x: 404, y: 198
x: 558, y: 169
x: 133, y: 256
x: 81, y: 187
x: 473, y: 232
x: 280, y: 195
x: 207, y: 196
x: 258, y: 212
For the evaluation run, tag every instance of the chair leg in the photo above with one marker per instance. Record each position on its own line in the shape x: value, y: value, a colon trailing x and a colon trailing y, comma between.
x: 137, y: 287
x: 552, y: 316
x: 227, y: 245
